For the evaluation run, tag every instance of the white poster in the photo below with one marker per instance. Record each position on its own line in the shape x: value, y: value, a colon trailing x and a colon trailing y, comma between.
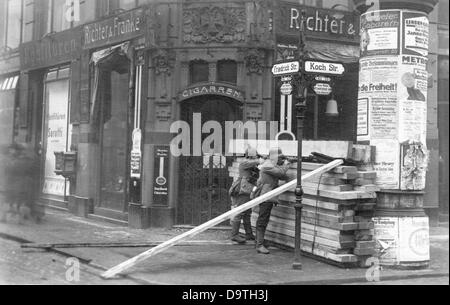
x: 414, y: 239
x: 386, y: 232
x: 378, y: 79
x: 363, y: 118
x: 380, y: 33
x: 56, y: 134
x: 412, y: 96
x: 387, y: 159
x: 415, y: 33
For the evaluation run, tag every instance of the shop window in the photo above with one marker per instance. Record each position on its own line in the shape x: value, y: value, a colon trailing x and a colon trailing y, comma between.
x: 227, y: 71
x: 320, y: 125
x: 199, y: 71
x: 57, y: 131
x: 8, y: 98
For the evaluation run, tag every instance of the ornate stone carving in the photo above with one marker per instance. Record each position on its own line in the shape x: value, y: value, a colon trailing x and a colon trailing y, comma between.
x: 163, y: 112
x: 163, y: 62
x: 264, y: 20
x: 153, y: 26
x: 254, y: 61
x: 253, y: 112
x: 209, y: 24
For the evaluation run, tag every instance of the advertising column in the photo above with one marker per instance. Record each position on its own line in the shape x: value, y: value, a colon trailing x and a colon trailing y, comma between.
x: 392, y: 116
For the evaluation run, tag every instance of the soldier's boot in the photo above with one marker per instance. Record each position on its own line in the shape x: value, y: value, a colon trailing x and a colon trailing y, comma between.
x: 248, y: 229
x: 260, y: 248
x: 235, y: 233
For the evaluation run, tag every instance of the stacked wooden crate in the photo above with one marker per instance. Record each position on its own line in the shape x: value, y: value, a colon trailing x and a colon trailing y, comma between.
x: 336, y: 215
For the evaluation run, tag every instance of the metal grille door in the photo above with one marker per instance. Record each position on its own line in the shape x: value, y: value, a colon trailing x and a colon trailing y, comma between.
x: 204, y: 184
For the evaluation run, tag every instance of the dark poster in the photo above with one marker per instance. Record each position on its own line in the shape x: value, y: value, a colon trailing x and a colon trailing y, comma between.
x: 161, y: 172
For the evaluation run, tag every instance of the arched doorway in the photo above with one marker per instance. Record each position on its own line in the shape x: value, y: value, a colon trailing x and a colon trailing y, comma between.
x: 204, y: 180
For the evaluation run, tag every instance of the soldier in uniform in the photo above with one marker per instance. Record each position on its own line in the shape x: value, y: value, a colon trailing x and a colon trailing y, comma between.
x: 272, y: 171
x: 240, y: 193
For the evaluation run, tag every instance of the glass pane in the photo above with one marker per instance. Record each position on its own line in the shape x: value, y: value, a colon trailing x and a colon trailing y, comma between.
x: 2, y: 23
x: 227, y: 71
x: 28, y: 20
x: 127, y: 4
x: 56, y: 134
x: 87, y: 11
x: 6, y: 116
x: 114, y: 142
x: 199, y: 71
x: 14, y: 21
x: 60, y: 21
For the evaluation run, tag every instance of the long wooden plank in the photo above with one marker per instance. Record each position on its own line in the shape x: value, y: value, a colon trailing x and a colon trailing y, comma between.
x: 215, y: 221
x: 121, y: 245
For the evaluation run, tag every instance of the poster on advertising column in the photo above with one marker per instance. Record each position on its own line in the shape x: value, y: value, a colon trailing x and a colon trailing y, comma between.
x: 412, y: 97
x: 380, y: 33
x: 415, y: 33
x: 386, y: 164
x: 393, y: 82
x: 378, y: 79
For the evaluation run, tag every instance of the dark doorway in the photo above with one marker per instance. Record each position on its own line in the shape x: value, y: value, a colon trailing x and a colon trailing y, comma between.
x: 114, y: 129
x: 204, y: 180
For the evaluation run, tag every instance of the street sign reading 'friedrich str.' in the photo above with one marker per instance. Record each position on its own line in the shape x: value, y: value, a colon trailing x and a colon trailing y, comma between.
x: 286, y: 68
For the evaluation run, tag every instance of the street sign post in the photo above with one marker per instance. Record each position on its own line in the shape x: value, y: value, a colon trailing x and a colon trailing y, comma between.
x: 321, y: 78
x: 286, y: 89
x: 322, y: 89
x: 322, y: 67
x: 286, y: 68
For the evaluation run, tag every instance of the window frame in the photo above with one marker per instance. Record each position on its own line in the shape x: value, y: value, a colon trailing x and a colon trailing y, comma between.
x: 5, y: 30
x: 192, y: 63
x: 221, y: 72
x: 113, y: 6
x: 73, y: 24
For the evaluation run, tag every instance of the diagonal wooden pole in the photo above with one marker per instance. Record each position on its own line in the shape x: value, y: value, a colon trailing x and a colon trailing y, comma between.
x: 215, y: 221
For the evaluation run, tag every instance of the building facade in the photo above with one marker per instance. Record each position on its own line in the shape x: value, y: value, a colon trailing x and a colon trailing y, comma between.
x: 116, y: 80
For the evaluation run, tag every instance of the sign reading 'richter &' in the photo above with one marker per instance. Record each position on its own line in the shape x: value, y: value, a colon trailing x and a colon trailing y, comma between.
x: 116, y: 29
x: 319, y: 22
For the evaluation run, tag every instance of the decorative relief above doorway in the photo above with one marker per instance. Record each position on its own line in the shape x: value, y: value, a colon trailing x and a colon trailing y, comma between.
x: 213, y: 24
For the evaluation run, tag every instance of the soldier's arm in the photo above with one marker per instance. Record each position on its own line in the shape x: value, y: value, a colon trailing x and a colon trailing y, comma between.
x: 276, y: 171
x: 247, y: 164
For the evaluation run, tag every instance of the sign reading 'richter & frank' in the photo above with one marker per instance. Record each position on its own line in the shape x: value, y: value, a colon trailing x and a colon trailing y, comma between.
x: 116, y: 29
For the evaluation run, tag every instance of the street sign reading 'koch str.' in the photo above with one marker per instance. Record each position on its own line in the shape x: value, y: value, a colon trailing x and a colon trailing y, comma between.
x: 322, y: 67
x: 286, y: 68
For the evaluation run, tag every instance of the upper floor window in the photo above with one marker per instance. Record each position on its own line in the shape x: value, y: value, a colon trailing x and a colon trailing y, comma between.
x: 10, y: 24
x: 27, y: 20
x: 227, y: 71
x: 65, y: 14
x: 114, y: 6
x: 199, y: 71
x: 59, y: 18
